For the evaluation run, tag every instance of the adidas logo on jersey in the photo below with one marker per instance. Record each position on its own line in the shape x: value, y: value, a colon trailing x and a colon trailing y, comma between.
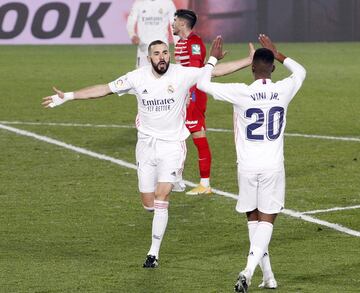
x: 145, y: 91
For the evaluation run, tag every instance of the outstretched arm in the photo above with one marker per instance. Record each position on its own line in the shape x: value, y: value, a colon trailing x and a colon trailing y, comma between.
x: 92, y: 92
x: 216, y: 51
x: 220, y: 91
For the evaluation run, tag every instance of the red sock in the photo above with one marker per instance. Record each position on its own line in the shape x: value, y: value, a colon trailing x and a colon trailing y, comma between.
x: 204, y: 156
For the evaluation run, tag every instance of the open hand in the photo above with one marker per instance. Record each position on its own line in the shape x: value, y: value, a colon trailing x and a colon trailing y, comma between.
x: 54, y: 100
x: 267, y: 43
x: 216, y: 49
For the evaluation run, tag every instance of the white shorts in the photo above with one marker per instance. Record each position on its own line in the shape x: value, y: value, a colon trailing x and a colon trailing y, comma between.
x: 159, y: 161
x: 264, y: 191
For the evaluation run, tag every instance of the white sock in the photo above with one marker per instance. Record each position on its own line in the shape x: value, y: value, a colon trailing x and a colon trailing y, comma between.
x: 259, y: 242
x: 158, y: 225
x: 265, y: 266
x: 264, y: 263
x: 252, y: 225
x: 205, y: 182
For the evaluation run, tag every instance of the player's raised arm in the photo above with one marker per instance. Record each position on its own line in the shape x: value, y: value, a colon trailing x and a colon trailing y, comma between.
x: 233, y: 66
x: 268, y: 44
x: 92, y: 92
x: 297, y: 70
x: 216, y: 53
x: 219, y: 91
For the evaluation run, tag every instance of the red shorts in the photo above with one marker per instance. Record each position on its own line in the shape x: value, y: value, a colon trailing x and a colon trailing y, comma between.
x: 195, y: 113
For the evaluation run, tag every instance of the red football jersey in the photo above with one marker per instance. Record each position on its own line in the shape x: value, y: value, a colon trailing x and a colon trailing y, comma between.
x: 192, y: 52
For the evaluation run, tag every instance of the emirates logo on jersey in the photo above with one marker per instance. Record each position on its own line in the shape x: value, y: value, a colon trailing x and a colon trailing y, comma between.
x: 170, y: 89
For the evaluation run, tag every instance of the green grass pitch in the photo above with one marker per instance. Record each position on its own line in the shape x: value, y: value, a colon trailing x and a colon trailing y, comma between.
x: 73, y: 223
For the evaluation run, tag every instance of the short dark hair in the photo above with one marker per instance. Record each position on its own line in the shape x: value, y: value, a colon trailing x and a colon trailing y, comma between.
x: 153, y: 43
x: 187, y: 14
x: 264, y: 55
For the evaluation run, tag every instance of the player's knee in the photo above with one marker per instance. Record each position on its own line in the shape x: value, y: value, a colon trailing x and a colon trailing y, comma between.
x: 147, y: 200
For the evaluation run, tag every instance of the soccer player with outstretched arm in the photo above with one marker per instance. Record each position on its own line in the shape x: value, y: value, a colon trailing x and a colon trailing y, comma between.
x: 259, y: 123
x: 161, y: 90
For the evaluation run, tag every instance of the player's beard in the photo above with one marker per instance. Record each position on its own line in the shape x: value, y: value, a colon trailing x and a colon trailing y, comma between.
x: 161, y: 67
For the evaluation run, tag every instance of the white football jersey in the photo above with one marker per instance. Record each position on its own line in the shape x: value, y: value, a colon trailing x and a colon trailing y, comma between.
x: 161, y: 101
x: 259, y: 116
x: 152, y: 18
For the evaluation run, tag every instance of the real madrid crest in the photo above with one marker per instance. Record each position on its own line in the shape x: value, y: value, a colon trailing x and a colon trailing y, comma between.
x: 160, y: 11
x: 119, y: 83
x: 170, y: 89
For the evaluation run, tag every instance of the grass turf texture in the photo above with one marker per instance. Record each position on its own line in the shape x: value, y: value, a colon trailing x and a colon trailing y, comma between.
x: 71, y: 223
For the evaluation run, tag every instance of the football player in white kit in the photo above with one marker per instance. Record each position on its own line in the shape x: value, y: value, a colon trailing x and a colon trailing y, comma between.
x: 259, y: 123
x: 161, y: 90
x: 149, y: 20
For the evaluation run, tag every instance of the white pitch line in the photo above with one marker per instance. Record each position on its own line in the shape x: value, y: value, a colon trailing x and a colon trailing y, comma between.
x: 291, y: 213
x: 343, y: 138
x: 321, y: 222
x: 331, y: 210
x: 324, y: 137
x: 219, y: 130
x: 68, y: 146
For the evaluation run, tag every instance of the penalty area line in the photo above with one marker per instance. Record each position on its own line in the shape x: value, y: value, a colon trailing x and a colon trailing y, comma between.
x: 125, y: 164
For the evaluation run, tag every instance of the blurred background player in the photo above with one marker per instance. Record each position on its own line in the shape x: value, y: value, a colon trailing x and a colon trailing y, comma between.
x: 190, y: 51
x: 259, y: 122
x: 149, y: 20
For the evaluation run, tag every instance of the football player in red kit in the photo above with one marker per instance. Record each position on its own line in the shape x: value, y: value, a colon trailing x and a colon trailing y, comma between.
x: 191, y: 51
